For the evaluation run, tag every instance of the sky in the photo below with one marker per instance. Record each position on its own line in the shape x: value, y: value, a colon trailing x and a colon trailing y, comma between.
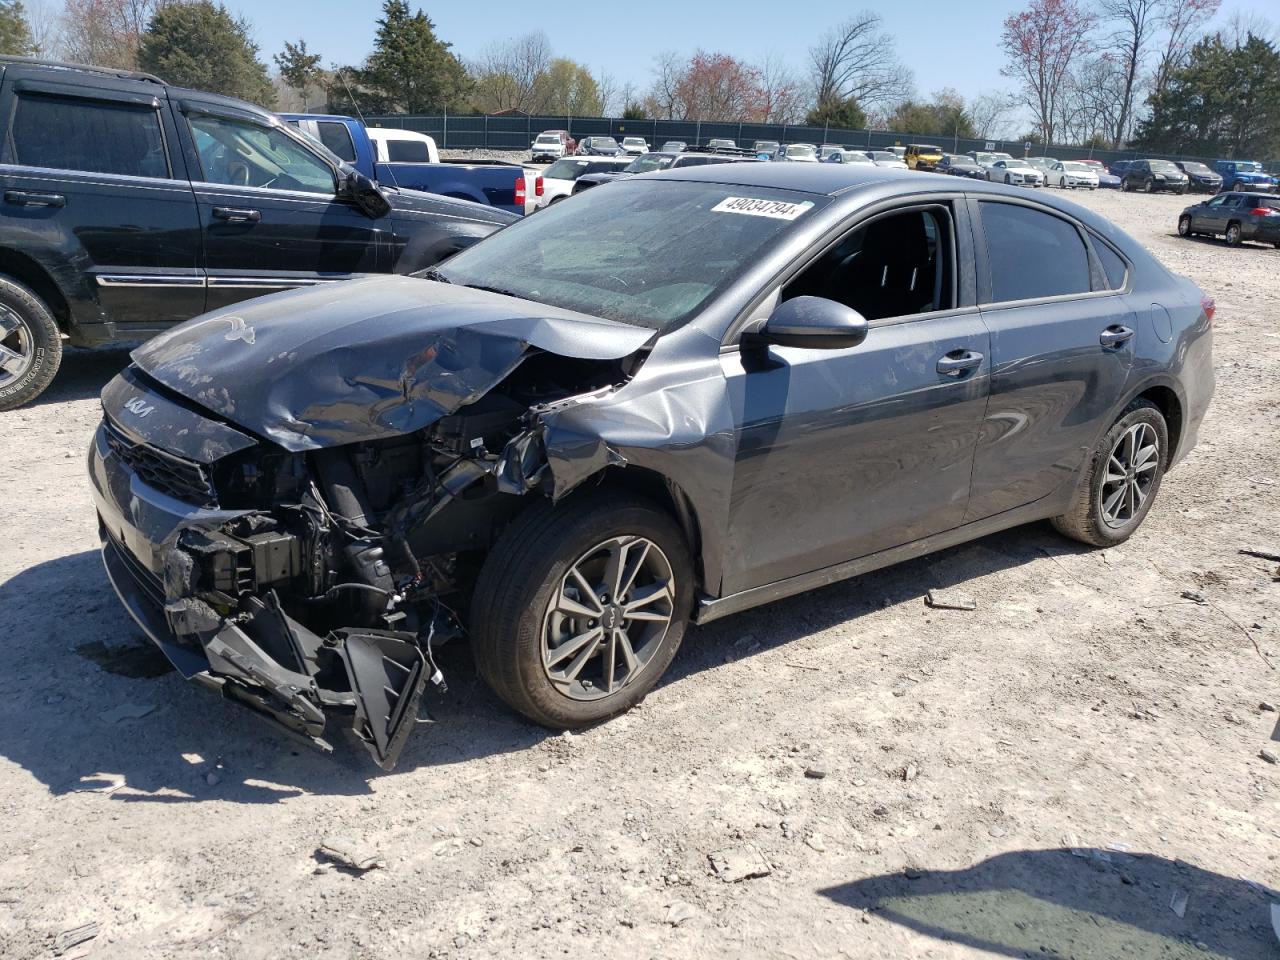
x: 947, y: 44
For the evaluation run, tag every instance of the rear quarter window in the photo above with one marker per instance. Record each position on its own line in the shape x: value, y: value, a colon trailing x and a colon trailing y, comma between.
x: 1113, y: 264
x: 1032, y: 254
x: 407, y: 151
x: 95, y: 136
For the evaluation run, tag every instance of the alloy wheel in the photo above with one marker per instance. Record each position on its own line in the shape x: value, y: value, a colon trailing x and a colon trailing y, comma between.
x: 1233, y: 235
x: 608, y: 618
x: 17, y: 346
x: 1184, y: 226
x: 1130, y: 473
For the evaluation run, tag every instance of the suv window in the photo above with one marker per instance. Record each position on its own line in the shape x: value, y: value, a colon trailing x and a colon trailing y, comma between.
x: 895, y: 266
x: 243, y: 154
x: 1032, y: 254
x: 96, y: 136
x: 337, y: 138
x: 408, y: 151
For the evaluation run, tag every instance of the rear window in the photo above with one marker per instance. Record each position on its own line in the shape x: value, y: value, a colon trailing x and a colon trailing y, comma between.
x: 407, y: 151
x: 566, y: 169
x: 95, y: 136
x: 1032, y: 254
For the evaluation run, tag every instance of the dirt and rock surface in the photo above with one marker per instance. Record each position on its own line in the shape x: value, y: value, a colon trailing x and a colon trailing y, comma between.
x: 847, y: 773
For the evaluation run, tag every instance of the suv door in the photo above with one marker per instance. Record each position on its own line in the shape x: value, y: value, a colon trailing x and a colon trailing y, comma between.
x: 842, y: 453
x: 94, y: 190
x: 270, y: 214
x: 1062, y: 343
x: 1211, y: 217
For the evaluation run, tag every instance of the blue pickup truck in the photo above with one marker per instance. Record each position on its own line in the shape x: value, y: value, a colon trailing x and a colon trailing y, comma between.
x: 403, y: 159
x: 1244, y: 175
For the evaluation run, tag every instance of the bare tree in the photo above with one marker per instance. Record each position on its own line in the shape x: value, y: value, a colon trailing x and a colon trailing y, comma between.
x: 1136, y: 22
x: 45, y: 22
x: 1043, y: 44
x: 507, y: 72
x: 664, y: 96
x: 611, y: 94
x: 990, y: 113
x: 107, y: 33
x: 783, y: 91
x: 1183, y: 20
x: 1241, y: 26
x: 857, y: 60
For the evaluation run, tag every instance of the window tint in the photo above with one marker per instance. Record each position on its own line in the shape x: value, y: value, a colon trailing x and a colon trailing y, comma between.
x: 895, y: 266
x: 90, y: 135
x: 337, y: 138
x: 1032, y: 254
x: 408, y: 151
x: 246, y: 155
x: 1114, y: 267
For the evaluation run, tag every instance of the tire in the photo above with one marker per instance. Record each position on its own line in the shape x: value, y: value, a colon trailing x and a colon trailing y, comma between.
x: 1124, y: 186
x: 513, y: 621
x: 1150, y: 186
x: 1184, y: 226
x: 32, y: 342
x: 1234, y: 238
x: 1086, y: 519
x: 1007, y: 181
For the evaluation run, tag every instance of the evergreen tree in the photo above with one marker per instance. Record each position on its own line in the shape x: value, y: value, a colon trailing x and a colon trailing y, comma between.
x: 15, y: 32
x: 298, y: 68
x: 200, y: 45
x: 410, y: 70
x: 843, y: 114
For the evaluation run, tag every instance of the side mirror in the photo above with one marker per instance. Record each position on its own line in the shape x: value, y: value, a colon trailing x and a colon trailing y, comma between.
x: 366, y: 195
x: 814, y: 323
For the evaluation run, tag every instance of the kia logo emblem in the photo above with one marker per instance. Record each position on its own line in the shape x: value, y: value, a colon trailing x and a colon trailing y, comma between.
x: 138, y: 407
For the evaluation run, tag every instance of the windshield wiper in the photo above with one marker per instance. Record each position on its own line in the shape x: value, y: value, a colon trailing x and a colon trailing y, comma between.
x: 435, y: 275
x: 498, y: 290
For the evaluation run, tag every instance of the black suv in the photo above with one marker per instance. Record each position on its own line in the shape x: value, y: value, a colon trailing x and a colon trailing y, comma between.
x: 129, y: 205
x: 1151, y: 176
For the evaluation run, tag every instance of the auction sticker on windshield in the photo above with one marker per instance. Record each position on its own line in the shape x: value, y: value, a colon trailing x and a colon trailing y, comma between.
x: 753, y: 207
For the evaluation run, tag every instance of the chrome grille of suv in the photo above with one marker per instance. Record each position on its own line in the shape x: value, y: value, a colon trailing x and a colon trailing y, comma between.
x: 180, y: 478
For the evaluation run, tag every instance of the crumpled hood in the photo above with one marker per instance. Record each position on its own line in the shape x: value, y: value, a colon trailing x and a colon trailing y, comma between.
x: 364, y: 359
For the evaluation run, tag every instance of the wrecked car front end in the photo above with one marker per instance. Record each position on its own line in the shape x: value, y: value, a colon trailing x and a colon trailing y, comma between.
x: 292, y: 509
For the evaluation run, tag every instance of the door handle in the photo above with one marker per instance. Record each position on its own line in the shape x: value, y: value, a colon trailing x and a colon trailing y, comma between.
x: 26, y: 198
x: 957, y: 362
x: 1114, y: 336
x: 237, y: 214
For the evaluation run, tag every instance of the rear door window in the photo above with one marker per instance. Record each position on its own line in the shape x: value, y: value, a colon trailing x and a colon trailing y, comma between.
x: 337, y: 138
x: 96, y: 136
x: 1032, y: 254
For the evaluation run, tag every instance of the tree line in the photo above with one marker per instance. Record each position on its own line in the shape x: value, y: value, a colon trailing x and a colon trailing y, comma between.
x: 1105, y: 73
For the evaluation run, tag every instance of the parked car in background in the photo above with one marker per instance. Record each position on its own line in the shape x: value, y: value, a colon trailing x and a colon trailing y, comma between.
x: 130, y: 205
x: 718, y: 144
x: 848, y: 156
x: 1244, y: 175
x: 598, y: 147
x: 1015, y: 172
x: 899, y: 152
x: 762, y: 147
x: 907, y: 388
x: 559, y: 178
x: 797, y: 153
x: 886, y: 158
x: 652, y: 163
x: 1071, y: 175
x: 1041, y: 163
x: 1153, y: 176
x: 959, y: 165
x: 551, y: 145
x: 1106, y: 179
x: 398, y: 158
x: 1200, y: 179
x: 828, y: 148
x: 635, y: 145
x: 922, y: 156
x: 1118, y: 168
x: 987, y: 158
x: 674, y: 146
x: 1237, y: 216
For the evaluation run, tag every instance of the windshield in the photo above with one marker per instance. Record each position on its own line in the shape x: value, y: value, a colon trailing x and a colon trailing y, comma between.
x: 603, y: 142
x: 649, y: 253
x: 566, y: 169
x: 633, y: 141
x: 721, y: 143
x: 766, y: 146
x: 1249, y: 166
x: 676, y: 145
x: 1193, y: 167
x: 883, y: 155
x: 1077, y: 167
x: 548, y: 139
x: 800, y: 150
x: 1016, y: 164
x: 648, y: 163
x: 1163, y: 166
x: 925, y: 148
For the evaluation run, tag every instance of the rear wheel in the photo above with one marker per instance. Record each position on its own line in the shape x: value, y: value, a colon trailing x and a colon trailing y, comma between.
x: 580, y: 608
x: 30, y: 345
x: 1234, y: 237
x: 1120, y: 480
x: 1184, y: 226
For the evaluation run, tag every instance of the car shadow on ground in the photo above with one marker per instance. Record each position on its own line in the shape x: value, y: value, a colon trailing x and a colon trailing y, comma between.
x: 1100, y: 904
x: 78, y: 656
x: 84, y: 373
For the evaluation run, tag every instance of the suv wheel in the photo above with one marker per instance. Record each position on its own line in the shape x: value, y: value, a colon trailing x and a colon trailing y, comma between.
x: 580, y: 608
x: 1150, y: 186
x: 1184, y: 226
x: 1124, y: 185
x: 1233, y: 235
x: 30, y: 345
x: 1121, y: 479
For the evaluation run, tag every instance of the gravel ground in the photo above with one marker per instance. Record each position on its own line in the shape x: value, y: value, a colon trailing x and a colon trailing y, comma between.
x: 845, y: 773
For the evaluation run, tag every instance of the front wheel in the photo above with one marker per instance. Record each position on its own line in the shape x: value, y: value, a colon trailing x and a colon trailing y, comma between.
x: 1120, y: 479
x: 1184, y: 226
x: 30, y: 345
x: 581, y: 607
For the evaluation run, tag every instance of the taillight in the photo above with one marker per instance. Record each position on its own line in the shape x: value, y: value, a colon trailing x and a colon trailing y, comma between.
x: 1208, y: 306
x: 520, y: 194
x: 537, y: 187
x: 1264, y: 212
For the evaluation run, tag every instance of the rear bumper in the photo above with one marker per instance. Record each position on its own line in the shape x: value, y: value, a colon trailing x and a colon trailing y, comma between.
x: 170, y: 563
